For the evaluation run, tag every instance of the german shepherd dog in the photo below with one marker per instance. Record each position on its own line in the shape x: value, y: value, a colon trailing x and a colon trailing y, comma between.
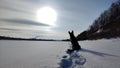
x: 74, y: 42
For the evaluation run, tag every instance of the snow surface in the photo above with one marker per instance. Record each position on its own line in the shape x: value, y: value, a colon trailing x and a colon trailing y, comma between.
x: 53, y: 54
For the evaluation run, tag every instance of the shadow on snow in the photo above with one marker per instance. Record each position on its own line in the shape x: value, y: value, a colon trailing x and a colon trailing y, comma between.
x: 97, y: 53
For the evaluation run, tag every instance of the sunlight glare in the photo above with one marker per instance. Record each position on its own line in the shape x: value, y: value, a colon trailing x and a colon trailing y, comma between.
x: 47, y: 15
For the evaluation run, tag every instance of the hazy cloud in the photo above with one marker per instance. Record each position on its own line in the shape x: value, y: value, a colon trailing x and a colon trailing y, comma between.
x: 9, y: 29
x: 24, y: 21
x: 15, y: 9
x: 19, y: 29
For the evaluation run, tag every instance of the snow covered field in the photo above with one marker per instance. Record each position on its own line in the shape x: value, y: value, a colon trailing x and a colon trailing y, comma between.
x: 52, y: 54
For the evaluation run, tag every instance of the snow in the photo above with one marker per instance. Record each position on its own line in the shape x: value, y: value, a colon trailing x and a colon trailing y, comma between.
x: 53, y: 54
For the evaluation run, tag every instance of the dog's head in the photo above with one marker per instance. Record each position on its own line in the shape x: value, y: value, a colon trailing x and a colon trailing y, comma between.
x: 71, y: 33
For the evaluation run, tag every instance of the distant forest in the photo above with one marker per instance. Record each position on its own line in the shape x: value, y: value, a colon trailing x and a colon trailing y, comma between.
x: 27, y: 39
x: 107, y: 25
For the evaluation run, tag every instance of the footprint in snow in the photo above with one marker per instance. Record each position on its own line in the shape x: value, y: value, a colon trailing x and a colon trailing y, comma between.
x: 74, y: 60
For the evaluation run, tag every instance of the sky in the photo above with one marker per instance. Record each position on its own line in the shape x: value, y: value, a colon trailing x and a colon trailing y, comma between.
x: 18, y: 17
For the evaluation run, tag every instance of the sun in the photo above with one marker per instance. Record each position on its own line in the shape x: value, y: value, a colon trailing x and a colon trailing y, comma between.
x: 47, y: 15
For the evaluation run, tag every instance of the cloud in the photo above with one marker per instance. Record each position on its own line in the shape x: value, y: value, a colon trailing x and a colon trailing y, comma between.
x: 9, y: 29
x: 18, y: 29
x: 24, y: 21
x: 43, y: 2
x: 14, y: 9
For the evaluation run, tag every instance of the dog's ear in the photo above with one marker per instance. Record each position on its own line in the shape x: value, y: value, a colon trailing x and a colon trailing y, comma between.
x: 69, y: 32
x: 72, y: 32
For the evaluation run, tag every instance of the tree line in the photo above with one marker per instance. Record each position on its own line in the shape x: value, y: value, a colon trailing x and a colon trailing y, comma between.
x: 107, y: 25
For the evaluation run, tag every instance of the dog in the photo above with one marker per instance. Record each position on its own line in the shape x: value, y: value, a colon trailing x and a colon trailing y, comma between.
x: 74, y: 42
